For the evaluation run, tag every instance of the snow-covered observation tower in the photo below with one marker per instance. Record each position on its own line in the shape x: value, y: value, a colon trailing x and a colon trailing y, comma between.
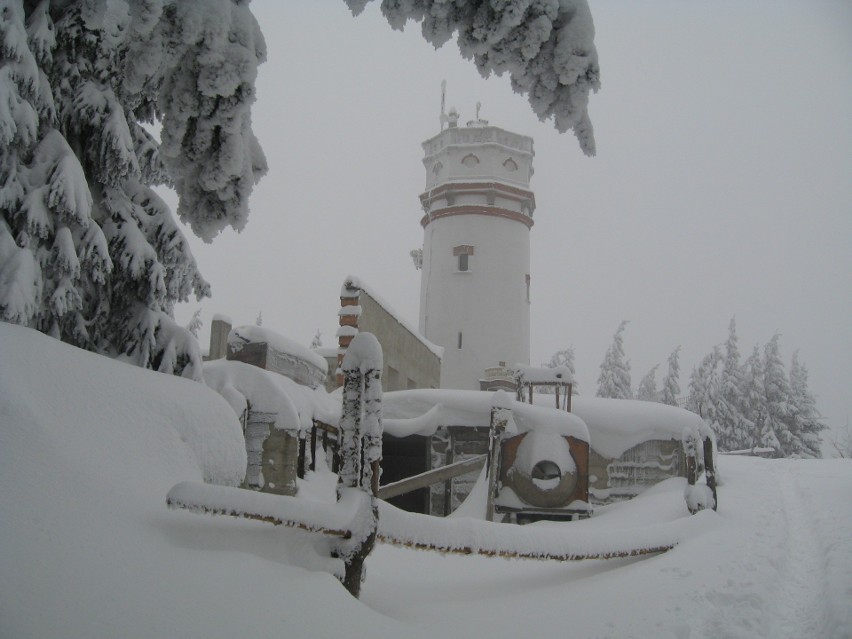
x: 475, y: 260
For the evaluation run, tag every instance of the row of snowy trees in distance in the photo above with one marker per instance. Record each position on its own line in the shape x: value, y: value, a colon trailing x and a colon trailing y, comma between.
x: 749, y: 404
x: 756, y: 403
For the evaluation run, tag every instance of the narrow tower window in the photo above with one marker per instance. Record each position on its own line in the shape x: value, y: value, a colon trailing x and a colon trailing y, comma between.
x: 460, y: 340
x: 527, y: 276
x: 463, y: 253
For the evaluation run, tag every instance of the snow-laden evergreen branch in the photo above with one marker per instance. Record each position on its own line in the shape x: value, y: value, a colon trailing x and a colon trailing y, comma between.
x: 546, y: 47
x: 88, y: 253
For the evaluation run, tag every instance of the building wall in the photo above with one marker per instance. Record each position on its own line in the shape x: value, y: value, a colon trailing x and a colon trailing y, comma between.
x: 487, y: 304
x: 408, y: 361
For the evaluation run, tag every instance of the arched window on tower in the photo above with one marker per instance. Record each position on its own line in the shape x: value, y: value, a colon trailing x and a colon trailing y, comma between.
x: 470, y: 160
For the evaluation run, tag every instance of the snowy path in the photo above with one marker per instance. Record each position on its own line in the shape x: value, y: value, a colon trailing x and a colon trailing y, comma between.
x: 776, y: 561
x: 799, y: 610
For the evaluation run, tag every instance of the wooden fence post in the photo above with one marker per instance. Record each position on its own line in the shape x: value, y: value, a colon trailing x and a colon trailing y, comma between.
x: 314, y: 447
x: 710, y: 469
x: 690, y: 448
x: 360, y: 446
x: 499, y: 420
x: 300, y: 461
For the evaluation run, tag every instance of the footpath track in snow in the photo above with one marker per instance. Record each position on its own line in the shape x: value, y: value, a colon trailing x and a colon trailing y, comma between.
x: 799, y: 610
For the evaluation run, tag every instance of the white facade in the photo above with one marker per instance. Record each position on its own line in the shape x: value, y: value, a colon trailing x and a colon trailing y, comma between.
x: 474, y: 295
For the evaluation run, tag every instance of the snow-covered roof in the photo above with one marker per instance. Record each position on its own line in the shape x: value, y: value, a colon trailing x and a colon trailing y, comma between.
x: 535, y: 375
x: 351, y: 282
x: 616, y: 425
x: 240, y: 335
x: 268, y: 392
x: 423, y: 411
x: 611, y: 426
x: 326, y: 351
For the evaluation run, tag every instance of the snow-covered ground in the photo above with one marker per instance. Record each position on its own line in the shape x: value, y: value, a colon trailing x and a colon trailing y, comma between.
x: 90, y: 447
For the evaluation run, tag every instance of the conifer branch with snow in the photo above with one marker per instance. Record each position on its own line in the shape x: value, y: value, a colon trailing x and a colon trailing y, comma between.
x: 546, y: 47
x: 88, y: 253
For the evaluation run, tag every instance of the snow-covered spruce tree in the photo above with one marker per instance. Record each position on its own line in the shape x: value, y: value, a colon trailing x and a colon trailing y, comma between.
x: 805, y: 416
x: 195, y: 323
x: 671, y: 383
x: 647, y: 390
x: 776, y: 388
x: 564, y: 358
x: 754, y: 404
x: 614, y: 380
x: 88, y: 252
x: 732, y: 434
x: 546, y: 47
x: 704, y: 388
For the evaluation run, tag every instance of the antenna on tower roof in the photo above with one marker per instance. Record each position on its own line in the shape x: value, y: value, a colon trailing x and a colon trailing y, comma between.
x: 443, y: 119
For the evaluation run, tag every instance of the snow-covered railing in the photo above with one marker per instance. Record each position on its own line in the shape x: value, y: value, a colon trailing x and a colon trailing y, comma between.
x: 424, y: 532
x: 561, y: 542
x: 753, y: 452
x: 334, y: 520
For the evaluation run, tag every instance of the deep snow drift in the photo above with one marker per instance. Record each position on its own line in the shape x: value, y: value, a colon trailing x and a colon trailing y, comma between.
x: 90, y: 447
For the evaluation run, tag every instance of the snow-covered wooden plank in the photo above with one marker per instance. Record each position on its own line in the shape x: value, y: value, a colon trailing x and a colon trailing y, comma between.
x: 430, y: 477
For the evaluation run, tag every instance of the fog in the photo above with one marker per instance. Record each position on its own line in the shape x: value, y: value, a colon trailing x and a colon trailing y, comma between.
x: 721, y: 186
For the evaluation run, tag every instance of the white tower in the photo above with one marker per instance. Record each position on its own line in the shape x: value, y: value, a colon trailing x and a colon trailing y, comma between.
x: 475, y: 285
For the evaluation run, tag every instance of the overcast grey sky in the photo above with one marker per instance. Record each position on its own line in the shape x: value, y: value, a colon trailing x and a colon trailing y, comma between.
x: 722, y: 184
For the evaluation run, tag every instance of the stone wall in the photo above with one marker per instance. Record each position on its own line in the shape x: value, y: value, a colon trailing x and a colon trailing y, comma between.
x: 408, y: 361
x: 272, y: 455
